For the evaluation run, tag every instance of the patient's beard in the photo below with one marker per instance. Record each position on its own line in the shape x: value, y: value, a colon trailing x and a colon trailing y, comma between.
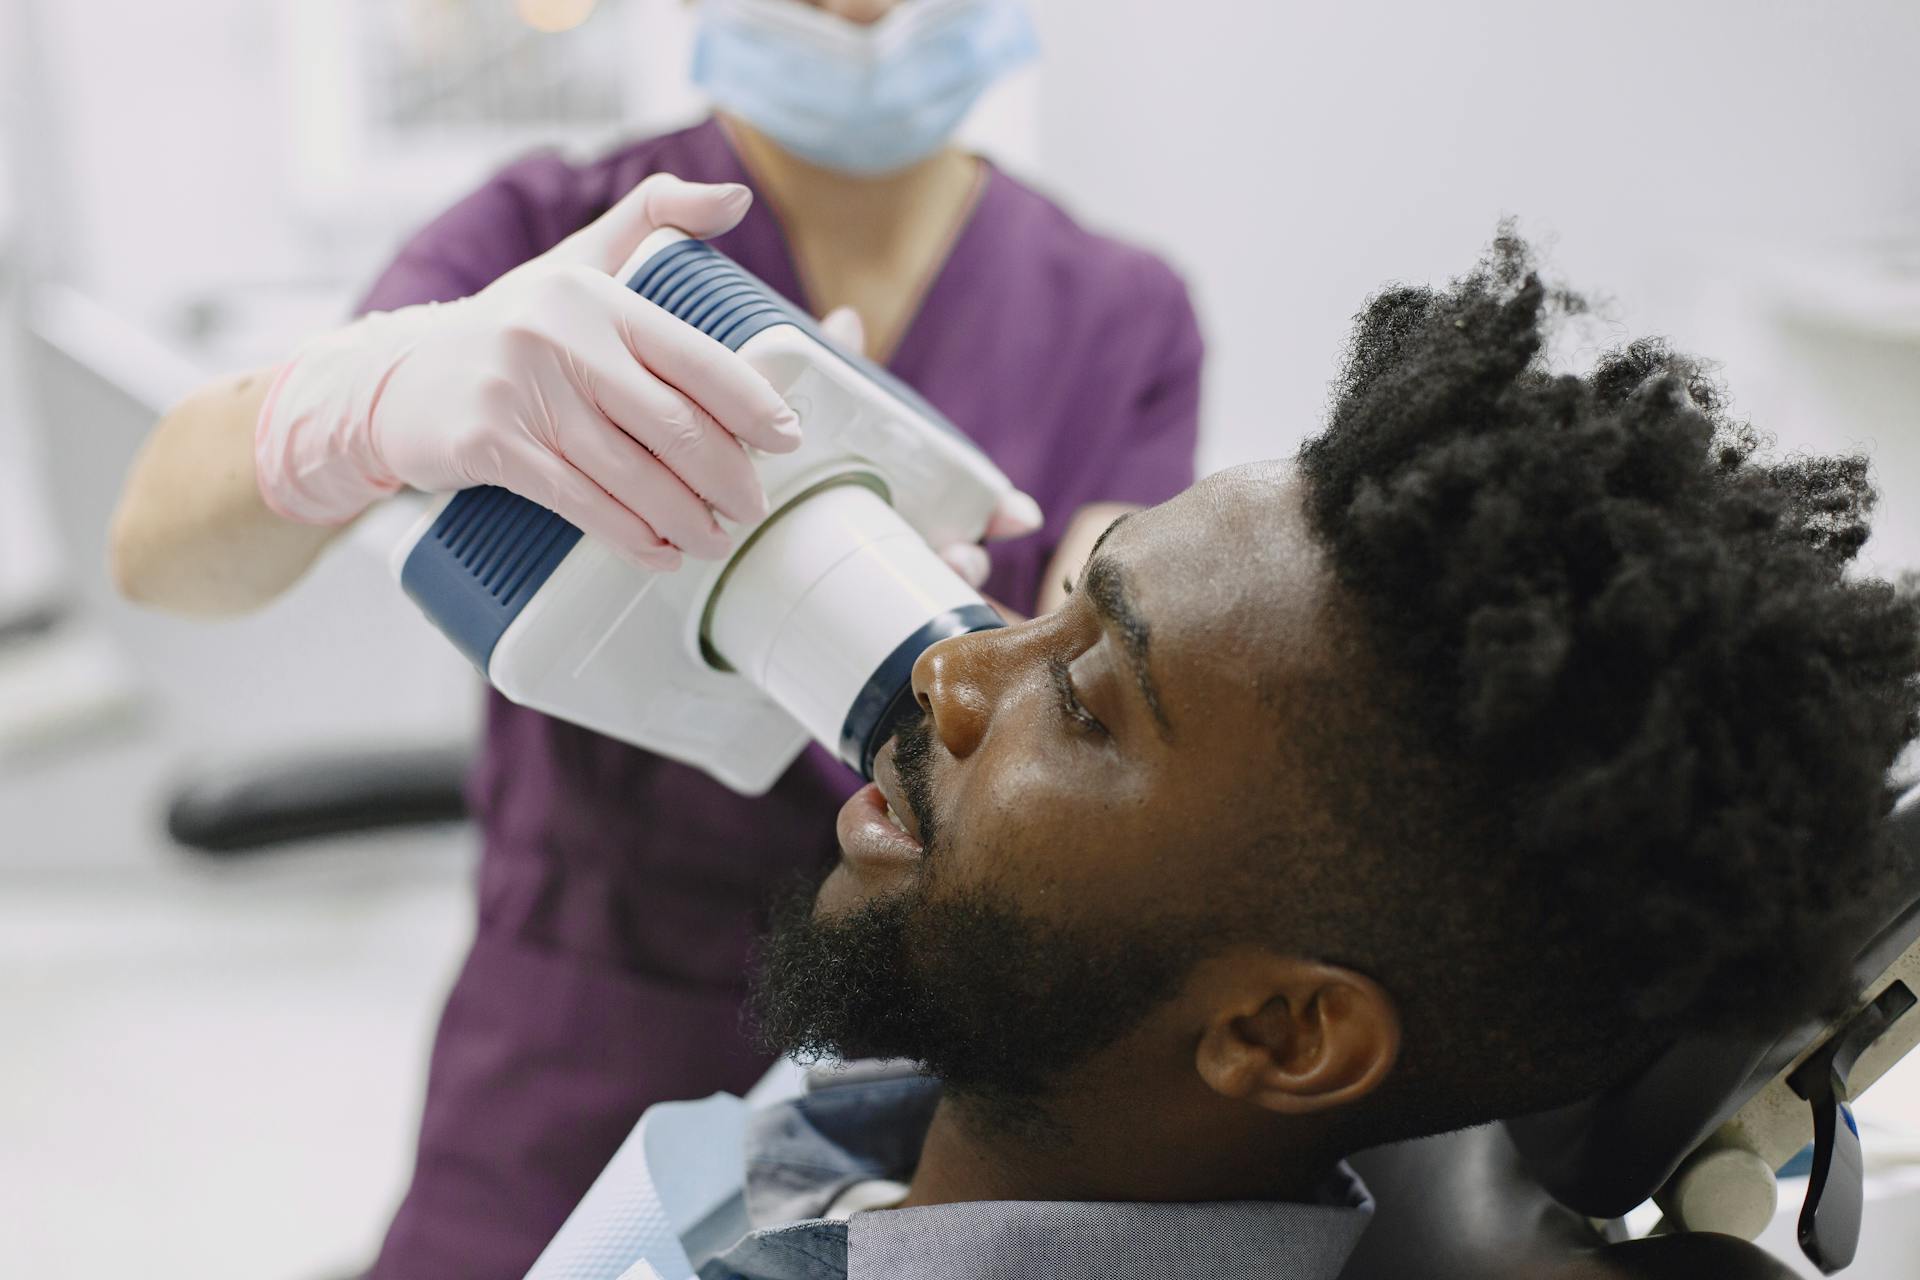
x: 996, y: 1003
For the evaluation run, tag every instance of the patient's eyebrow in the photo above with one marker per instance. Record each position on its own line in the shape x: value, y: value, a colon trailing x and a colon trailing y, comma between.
x: 1106, y: 586
x: 1106, y: 533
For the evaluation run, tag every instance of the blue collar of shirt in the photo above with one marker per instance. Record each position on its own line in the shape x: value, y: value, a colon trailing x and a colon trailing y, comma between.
x: 870, y: 1123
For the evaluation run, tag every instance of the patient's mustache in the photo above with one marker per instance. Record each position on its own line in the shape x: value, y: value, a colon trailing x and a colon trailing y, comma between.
x: 913, y: 765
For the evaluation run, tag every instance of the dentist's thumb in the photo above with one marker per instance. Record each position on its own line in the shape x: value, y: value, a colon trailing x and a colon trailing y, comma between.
x: 1017, y: 516
x: 701, y: 209
x: 843, y: 325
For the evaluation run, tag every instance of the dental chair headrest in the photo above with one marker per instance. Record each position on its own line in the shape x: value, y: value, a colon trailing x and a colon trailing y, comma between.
x: 1611, y: 1152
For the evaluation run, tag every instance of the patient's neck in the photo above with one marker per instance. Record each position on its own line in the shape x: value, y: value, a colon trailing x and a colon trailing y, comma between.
x: 1098, y: 1152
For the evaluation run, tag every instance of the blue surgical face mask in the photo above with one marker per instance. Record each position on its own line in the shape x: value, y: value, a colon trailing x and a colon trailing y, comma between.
x: 860, y: 99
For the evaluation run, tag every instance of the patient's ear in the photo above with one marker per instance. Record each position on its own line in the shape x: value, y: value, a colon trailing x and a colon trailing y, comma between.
x: 1292, y: 1035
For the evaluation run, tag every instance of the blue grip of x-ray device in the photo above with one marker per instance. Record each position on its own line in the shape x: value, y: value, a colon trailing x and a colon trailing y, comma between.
x: 480, y: 562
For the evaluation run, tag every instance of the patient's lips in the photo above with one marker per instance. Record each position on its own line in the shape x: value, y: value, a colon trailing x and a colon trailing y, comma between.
x: 876, y: 826
x: 870, y: 836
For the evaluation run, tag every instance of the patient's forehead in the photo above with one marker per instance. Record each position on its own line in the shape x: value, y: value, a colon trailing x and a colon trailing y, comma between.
x: 1233, y: 582
x: 1235, y: 547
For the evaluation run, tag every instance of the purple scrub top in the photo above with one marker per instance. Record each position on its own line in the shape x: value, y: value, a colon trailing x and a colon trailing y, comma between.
x: 619, y: 892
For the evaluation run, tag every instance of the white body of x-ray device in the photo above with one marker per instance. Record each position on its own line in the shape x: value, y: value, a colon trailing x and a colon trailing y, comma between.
x: 809, y: 630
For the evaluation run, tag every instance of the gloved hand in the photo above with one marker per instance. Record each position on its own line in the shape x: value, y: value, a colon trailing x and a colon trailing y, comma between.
x: 555, y: 382
x: 1016, y: 516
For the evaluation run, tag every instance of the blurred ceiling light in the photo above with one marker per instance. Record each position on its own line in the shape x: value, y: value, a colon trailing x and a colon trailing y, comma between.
x: 554, y: 15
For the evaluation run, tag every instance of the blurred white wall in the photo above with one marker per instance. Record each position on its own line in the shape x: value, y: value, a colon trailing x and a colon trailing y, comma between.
x: 31, y: 567
x: 194, y: 135
x: 167, y: 124
x: 1292, y: 157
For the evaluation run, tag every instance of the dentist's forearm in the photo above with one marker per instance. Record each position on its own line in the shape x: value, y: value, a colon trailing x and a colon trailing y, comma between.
x: 192, y: 534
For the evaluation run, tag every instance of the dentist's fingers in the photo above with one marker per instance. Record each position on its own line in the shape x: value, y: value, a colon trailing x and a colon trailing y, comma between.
x: 698, y: 208
x: 639, y: 481
x: 970, y: 561
x: 701, y: 456
x: 844, y: 326
x: 556, y: 484
x: 1017, y: 516
x: 704, y: 371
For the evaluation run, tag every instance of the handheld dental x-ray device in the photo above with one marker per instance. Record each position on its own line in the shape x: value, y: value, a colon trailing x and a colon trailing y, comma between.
x: 810, y: 628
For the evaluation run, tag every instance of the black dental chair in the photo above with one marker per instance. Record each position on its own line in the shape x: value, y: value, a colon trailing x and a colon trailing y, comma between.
x: 1700, y: 1131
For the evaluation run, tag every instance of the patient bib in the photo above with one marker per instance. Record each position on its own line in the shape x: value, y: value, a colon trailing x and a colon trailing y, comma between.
x: 680, y: 1165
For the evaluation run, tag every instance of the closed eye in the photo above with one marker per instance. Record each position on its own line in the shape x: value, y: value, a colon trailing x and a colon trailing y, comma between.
x: 1070, y: 705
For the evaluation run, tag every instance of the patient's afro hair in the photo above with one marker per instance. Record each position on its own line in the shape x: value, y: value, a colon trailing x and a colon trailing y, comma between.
x: 1627, y: 639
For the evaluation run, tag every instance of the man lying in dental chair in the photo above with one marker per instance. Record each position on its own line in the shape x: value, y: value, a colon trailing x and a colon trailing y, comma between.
x: 1442, y: 774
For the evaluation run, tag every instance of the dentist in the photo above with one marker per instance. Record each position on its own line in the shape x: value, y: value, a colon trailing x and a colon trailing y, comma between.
x: 619, y: 892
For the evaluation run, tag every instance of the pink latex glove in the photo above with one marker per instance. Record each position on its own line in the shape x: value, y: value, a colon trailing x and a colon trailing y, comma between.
x: 556, y: 382
x: 1016, y: 516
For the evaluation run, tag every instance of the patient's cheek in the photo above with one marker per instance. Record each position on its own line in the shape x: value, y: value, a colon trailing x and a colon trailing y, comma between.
x: 1003, y: 826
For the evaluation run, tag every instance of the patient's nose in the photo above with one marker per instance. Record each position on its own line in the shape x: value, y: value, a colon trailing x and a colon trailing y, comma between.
x: 953, y: 682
